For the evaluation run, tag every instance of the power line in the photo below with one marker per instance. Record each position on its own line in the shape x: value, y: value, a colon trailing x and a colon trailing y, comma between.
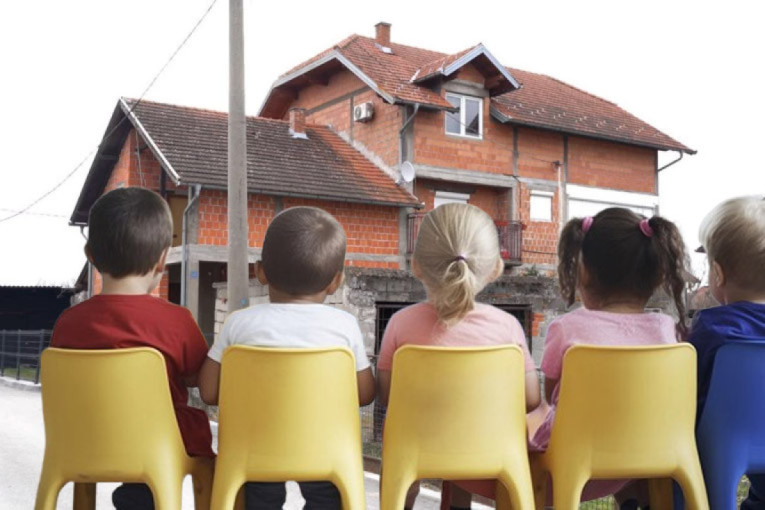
x: 49, y: 215
x: 111, y: 131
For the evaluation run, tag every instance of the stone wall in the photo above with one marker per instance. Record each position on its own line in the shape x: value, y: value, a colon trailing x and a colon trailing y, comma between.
x: 364, y: 288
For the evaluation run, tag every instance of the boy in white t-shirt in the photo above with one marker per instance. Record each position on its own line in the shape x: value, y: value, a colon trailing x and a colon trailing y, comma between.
x: 302, y: 263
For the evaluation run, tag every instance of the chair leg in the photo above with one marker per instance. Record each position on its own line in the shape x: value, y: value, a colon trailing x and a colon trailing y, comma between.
x: 691, y: 480
x: 393, y: 488
x: 84, y: 496
x: 47, y: 490
x: 228, y: 490
x: 351, y: 488
x: 567, y: 488
x: 166, y: 488
x: 516, y: 488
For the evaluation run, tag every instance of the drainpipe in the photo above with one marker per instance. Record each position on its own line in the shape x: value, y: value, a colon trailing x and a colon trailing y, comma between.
x: 193, y: 197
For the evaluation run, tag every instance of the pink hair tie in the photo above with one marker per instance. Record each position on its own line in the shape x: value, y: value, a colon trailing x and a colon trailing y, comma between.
x: 587, y: 223
x: 645, y: 228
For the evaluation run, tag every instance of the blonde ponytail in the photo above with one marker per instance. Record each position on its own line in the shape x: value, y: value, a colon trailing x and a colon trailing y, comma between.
x: 457, y: 254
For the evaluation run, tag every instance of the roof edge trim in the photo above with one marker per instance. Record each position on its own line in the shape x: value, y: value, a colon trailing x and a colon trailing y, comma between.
x: 333, y: 55
x: 145, y: 134
x: 477, y: 51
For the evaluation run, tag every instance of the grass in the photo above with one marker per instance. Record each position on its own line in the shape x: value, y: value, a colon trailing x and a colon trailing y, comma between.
x: 27, y: 373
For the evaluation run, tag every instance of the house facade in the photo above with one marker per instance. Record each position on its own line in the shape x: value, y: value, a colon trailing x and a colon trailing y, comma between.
x: 379, y: 133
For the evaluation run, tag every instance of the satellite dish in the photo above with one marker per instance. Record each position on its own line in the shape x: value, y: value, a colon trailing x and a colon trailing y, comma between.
x: 407, y: 171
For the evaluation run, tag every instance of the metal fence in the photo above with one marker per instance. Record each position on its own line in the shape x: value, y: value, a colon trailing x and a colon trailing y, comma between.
x: 20, y: 352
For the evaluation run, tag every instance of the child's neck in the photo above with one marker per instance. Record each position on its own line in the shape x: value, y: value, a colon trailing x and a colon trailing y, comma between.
x: 617, y: 305
x: 131, y: 285
x: 277, y: 296
x: 735, y: 294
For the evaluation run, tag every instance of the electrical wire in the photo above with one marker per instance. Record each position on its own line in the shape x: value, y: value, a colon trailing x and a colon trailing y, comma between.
x: 24, y: 210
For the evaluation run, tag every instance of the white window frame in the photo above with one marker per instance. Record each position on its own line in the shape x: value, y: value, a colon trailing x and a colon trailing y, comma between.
x: 589, y: 200
x: 448, y: 197
x: 541, y: 194
x: 463, y: 123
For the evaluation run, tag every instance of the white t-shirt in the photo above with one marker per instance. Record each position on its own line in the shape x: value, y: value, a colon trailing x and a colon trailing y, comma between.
x: 291, y: 325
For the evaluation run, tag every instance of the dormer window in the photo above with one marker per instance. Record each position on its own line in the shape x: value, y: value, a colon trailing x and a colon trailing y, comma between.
x: 467, y: 121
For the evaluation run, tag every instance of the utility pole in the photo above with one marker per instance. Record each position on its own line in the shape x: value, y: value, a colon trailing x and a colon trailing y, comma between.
x: 238, y: 273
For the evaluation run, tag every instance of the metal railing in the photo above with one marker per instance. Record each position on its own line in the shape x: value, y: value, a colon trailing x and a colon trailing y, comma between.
x: 510, y: 237
x: 20, y: 352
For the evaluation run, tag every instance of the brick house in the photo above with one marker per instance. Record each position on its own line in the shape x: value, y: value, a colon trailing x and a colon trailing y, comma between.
x: 335, y: 131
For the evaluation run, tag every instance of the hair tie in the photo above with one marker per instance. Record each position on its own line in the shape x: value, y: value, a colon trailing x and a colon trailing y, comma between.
x: 645, y: 227
x: 459, y: 257
x: 587, y: 223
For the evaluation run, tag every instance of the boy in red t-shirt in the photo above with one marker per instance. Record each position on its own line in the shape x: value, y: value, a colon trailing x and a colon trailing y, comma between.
x: 130, y: 232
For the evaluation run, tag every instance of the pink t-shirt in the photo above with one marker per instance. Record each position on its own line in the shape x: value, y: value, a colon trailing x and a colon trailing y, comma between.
x: 591, y: 327
x: 418, y: 324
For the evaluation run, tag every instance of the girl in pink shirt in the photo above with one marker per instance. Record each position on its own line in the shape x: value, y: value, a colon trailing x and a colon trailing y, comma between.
x: 456, y: 255
x: 616, y: 260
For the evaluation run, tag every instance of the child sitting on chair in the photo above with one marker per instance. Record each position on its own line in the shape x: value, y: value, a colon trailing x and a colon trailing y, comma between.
x: 616, y: 260
x: 302, y: 263
x: 733, y: 236
x: 130, y: 232
x: 456, y: 255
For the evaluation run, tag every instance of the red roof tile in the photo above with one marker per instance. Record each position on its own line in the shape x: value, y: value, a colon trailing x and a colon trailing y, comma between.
x: 542, y: 101
x: 194, y: 142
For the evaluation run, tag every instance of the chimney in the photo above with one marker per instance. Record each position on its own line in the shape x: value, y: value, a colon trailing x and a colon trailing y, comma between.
x: 297, y: 123
x: 382, y: 34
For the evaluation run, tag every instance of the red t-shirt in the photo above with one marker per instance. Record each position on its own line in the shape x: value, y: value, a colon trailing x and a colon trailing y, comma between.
x: 120, y: 321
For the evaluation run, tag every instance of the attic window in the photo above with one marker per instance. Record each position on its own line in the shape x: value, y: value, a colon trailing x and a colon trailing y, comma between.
x: 468, y: 120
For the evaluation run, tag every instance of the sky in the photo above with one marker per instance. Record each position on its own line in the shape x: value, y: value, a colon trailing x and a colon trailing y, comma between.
x: 691, y: 69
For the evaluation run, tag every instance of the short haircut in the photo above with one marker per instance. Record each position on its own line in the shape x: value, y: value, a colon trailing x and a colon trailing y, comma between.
x: 733, y: 235
x: 128, y: 229
x: 303, y: 250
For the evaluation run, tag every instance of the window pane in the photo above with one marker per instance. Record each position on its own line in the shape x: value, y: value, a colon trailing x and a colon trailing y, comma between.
x: 541, y: 207
x: 453, y: 119
x: 446, y: 197
x: 472, y: 117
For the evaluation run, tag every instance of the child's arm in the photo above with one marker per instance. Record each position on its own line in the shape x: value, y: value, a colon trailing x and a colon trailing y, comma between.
x: 532, y: 390
x: 550, y: 385
x: 383, y: 386
x: 209, y: 381
x: 366, y: 384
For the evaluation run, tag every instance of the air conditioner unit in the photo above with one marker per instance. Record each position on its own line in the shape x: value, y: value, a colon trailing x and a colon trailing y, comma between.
x: 363, y: 112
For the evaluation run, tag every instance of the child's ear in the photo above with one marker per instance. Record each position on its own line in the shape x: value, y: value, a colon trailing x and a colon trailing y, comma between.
x: 336, y: 282
x: 88, y: 254
x: 718, y: 274
x: 415, y: 269
x: 260, y: 273
x: 160, y: 267
x: 500, y: 269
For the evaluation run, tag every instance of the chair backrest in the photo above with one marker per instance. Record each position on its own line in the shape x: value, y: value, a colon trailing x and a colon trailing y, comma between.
x: 626, y: 411
x: 734, y: 411
x: 288, y: 414
x: 107, y: 412
x: 458, y: 411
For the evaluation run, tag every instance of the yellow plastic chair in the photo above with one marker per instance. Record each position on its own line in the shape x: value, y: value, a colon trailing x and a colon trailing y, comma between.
x: 457, y: 414
x: 623, y: 412
x: 109, y: 418
x: 288, y: 414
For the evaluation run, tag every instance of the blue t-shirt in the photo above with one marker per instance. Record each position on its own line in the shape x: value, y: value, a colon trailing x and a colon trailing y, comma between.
x: 738, y: 322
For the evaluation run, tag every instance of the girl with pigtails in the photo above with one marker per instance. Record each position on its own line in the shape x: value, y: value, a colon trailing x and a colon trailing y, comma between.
x: 616, y: 260
x: 456, y: 256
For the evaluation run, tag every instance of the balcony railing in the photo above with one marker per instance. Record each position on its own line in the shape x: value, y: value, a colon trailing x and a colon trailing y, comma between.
x: 510, y: 237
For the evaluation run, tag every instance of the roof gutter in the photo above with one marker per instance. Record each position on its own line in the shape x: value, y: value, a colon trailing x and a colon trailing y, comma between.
x: 680, y: 156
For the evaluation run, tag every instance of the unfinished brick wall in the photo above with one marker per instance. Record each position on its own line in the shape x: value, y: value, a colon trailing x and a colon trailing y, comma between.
x: 540, y: 238
x: 213, y: 218
x: 491, y: 200
x: 611, y: 165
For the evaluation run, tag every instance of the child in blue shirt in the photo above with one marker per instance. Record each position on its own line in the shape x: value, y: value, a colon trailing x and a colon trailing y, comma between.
x: 733, y: 236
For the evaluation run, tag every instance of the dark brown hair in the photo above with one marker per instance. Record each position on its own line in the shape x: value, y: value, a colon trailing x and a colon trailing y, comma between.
x: 303, y: 250
x: 622, y: 259
x: 128, y: 229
